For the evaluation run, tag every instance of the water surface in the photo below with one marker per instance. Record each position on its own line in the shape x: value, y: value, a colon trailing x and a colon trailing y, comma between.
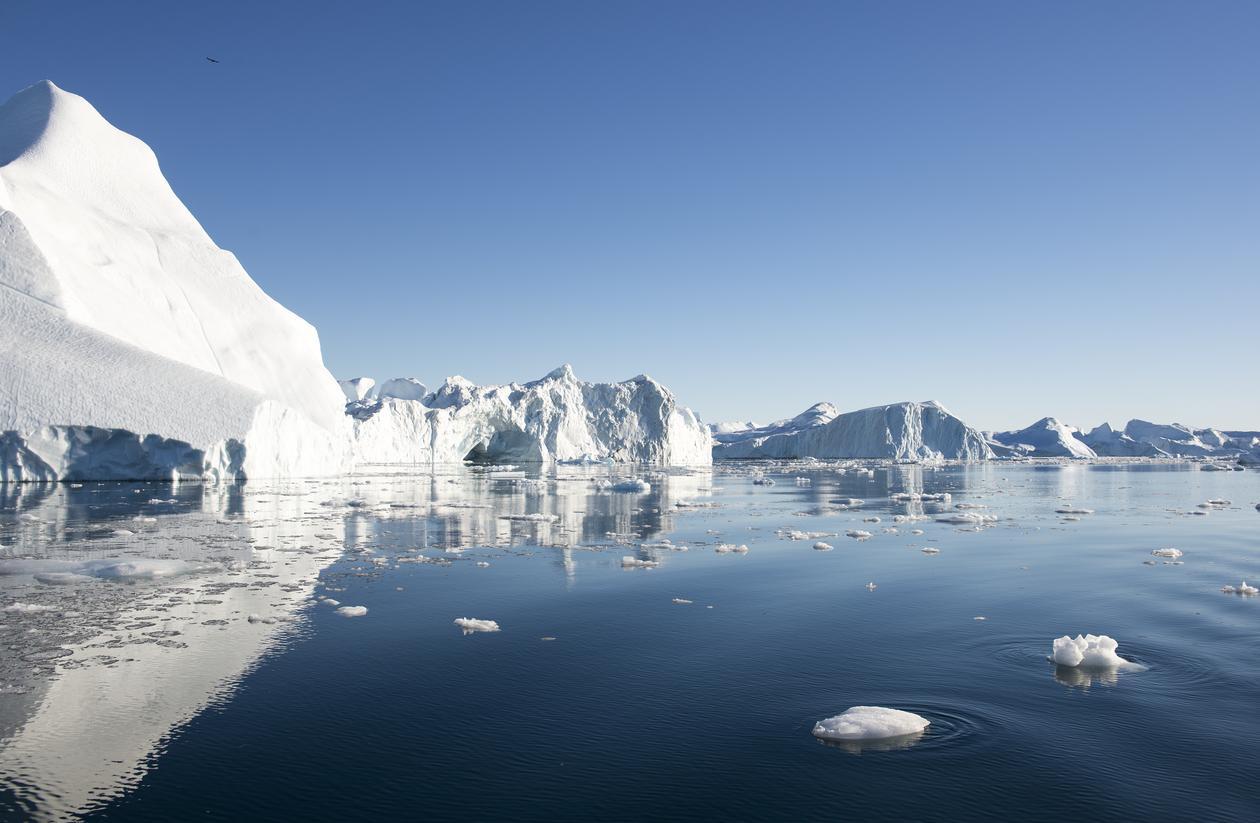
x: 136, y: 699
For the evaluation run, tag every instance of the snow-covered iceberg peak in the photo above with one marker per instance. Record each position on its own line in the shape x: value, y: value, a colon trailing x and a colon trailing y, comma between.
x: 557, y: 417
x: 119, y: 314
x: 903, y: 431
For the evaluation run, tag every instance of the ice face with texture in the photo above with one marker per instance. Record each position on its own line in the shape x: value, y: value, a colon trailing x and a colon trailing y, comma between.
x: 131, y: 346
x: 1089, y: 651
x: 473, y: 624
x: 352, y: 611
x: 870, y: 723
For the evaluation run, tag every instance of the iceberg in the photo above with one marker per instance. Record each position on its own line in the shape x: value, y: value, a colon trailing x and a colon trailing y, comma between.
x: 901, y: 431
x: 1181, y: 441
x: 1046, y: 438
x: 1107, y: 442
x: 131, y: 346
x: 818, y: 414
x: 558, y: 418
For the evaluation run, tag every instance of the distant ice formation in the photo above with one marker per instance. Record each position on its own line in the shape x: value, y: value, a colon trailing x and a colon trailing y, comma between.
x: 870, y: 723
x: 1045, y: 438
x: 901, y: 431
x: 556, y: 418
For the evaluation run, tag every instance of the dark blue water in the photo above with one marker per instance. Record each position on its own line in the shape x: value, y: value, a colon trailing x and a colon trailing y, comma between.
x: 642, y: 708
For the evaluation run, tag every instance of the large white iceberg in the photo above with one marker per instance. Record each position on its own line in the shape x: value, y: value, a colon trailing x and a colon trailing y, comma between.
x: 556, y: 418
x: 131, y: 346
x: 902, y: 431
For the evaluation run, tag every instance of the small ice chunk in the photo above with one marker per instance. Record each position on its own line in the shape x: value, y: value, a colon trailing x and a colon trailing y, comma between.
x: 680, y: 601
x: 1073, y: 510
x: 473, y: 624
x: 633, y: 486
x: 858, y: 534
x: 1090, y: 651
x: 27, y: 608
x: 352, y: 611
x: 728, y: 548
x: 1242, y: 588
x: 930, y: 550
x: 870, y: 723
x: 823, y: 547
x: 870, y: 587
x: 1173, y: 553
x: 631, y: 562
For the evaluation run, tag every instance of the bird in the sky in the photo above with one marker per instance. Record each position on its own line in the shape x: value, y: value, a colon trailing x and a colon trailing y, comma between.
x: 212, y: 60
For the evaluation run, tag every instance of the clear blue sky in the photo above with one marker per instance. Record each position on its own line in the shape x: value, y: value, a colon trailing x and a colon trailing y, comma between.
x: 1016, y: 208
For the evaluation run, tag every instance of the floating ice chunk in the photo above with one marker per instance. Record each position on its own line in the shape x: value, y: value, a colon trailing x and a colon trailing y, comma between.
x: 729, y: 548
x: 352, y: 611
x: 870, y: 519
x: 848, y: 501
x: 1242, y: 588
x: 27, y: 608
x: 328, y: 601
x: 823, y: 547
x: 473, y: 624
x: 633, y: 486
x: 481, y: 564
x: 631, y: 562
x: 870, y: 587
x: 1173, y: 553
x: 1072, y: 510
x: 930, y: 550
x: 858, y: 534
x: 870, y: 723
x: 967, y: 518
x: 916, y: 532
x: 1089, y: 651
x: 680, y: 601
x: 763, y: 481
x: 536, y: 517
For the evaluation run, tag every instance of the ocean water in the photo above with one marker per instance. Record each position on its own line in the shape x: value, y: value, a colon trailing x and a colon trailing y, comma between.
x: 215, y: 684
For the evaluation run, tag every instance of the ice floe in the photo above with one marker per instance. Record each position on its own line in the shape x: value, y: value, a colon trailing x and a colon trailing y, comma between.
x: 470, y: 625
x: 870, y: 723
x: 1089, y: 651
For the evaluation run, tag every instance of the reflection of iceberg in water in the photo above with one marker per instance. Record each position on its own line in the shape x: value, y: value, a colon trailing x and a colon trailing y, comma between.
x: 140, y: 660
x: 884, y: 744
x: 107, y: 675
x: 1078, y: 677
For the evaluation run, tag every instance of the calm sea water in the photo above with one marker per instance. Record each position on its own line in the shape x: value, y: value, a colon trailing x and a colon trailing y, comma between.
x: 602, y: 698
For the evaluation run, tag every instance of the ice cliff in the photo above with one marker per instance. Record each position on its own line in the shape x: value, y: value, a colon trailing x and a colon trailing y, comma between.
x: 556, y: 418
x: 131, y: 346
x: 902, y: 431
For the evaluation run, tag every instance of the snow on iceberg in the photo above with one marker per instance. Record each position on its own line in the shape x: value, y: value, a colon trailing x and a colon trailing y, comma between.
x: 870, y: 723
x: 131, y: 346
x: 902, y: 431
x: 557, y: 418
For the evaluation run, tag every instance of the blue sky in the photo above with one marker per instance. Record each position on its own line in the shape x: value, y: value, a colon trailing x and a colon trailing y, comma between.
x: 1018, y: 209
